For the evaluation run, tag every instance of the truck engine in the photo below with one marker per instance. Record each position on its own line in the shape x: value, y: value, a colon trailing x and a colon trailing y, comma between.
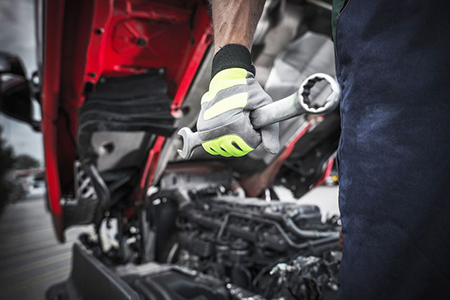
x: 275, y: 249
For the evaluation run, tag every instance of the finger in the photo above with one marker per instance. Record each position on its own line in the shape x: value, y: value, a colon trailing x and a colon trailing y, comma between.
x: 232, y: 148
x: 220, y: 150
x: 270, y: 138
x: 257, y: 97
x: 214, y: 148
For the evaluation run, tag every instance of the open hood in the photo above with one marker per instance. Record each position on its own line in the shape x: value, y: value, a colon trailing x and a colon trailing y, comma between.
x: 119, y: 78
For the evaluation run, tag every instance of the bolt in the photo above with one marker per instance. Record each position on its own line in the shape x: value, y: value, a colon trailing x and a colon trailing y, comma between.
x: 99, y: 30
x: 141, y: 42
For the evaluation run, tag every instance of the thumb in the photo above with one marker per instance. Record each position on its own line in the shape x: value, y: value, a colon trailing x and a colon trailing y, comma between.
x: 270, y: 139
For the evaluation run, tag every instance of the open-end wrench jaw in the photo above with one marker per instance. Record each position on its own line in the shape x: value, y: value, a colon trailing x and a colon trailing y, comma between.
x: 191, y: 140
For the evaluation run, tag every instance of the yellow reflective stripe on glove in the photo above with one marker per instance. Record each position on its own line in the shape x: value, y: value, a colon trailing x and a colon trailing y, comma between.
x: 224, y: 80
x: 232, y: 102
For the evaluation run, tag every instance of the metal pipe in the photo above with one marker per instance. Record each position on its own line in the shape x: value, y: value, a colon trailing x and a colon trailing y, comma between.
x: 309, y: 234
x: 321, y: 4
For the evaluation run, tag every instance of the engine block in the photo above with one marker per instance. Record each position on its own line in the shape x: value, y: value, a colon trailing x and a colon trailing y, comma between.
x: 276, y: 249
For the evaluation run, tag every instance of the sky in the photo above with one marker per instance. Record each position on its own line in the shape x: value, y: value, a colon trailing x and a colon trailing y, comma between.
x: 17, y: 36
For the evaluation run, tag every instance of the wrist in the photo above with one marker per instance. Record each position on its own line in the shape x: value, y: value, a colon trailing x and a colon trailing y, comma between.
x: 232, y: 56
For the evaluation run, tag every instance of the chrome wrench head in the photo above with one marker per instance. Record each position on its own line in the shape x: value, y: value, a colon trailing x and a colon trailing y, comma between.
x: 332, y: 99
x: 191, y: 140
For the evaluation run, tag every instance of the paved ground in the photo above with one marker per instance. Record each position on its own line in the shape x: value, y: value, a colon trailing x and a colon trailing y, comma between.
x: 31, y: 259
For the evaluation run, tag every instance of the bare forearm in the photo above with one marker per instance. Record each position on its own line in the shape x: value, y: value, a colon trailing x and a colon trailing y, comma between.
x: 235, y: 21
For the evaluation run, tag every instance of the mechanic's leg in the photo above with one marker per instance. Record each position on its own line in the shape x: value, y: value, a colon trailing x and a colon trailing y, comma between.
x: 394, y: 68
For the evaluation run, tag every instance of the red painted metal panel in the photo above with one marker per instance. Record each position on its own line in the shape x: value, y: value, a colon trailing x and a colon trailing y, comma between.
x: 87, y: 39
x: 130, y: 37
x: 150, y: 167
x: 54, y: 12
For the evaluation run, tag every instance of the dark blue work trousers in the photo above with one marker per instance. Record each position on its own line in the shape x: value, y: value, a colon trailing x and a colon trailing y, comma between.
x: 393, y: 63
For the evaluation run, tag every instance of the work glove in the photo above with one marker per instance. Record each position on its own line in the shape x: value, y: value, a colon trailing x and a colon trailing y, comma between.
x: 224, y: 123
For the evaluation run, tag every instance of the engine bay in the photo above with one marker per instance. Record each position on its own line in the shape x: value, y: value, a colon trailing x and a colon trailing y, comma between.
x: 210, y: 244
x: 198, y: 230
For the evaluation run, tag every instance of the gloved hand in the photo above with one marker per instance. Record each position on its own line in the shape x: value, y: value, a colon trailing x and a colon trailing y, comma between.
x: 224, y: 123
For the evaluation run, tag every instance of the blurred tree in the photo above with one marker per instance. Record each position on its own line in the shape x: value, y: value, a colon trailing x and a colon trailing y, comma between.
x: 24, y: 162
x: 7, y: 161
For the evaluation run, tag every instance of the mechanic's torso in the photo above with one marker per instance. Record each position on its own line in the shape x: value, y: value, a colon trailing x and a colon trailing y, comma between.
x: 393, y: 64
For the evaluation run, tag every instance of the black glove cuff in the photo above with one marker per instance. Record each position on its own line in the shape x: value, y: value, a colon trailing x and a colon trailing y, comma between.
x: 232, y: 56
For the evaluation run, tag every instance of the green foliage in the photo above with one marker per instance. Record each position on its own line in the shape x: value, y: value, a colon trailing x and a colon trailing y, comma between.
x: 7, y: 162
x: 24, y: 162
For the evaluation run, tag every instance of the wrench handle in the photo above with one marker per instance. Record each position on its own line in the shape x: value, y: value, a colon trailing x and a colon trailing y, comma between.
x: 294, y: 105
x: 277, y: 111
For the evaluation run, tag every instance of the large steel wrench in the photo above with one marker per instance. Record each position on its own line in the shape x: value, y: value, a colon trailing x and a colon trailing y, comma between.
x: 289, y: 107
